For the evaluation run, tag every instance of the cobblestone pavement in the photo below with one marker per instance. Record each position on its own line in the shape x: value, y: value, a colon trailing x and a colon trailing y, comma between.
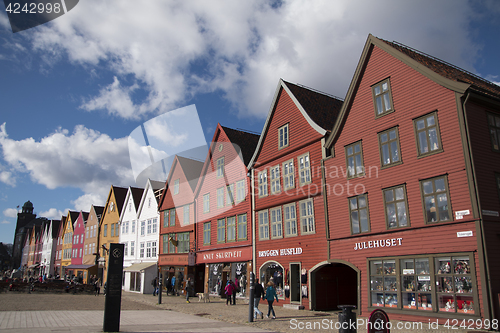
x: 288, y: 320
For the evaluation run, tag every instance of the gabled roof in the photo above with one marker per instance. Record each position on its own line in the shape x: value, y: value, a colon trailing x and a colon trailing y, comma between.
x: 319, y: 109
x: 150, y: 186
x: 73, y: 215
x: 444, y: 74
x: 120, y: 194
x: 447, y: 70
x: 245, y: 140
x: 55, y: 228
x: 239, y: 136
x: 98, y: 210
x: 136, y: 196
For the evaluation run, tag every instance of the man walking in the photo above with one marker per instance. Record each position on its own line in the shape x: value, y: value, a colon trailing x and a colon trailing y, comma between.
x: 187, y: 288
x: 257, y: 294
x: 154, y: 283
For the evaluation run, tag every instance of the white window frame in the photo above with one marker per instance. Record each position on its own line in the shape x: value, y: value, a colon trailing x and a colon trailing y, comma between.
x: 206, y: 203
x: 185, y: 212
x: 262, y: 179
x: 242, y: 226
x: 240, y: 190
x: 307, y: 223
x: 232, y: 231
x: 176, y: 186
x: 290, y: 220
x: 220, y: 167
x: 207, y: 233
x: 283, y: 136
x: 221, y: 230
x: 304, y: 169
x: 276, y: 222
x: 220, y: 197
x: 275, y: 179
x: 288, y: 175
x: 230, y: 195
x: 263, y: 224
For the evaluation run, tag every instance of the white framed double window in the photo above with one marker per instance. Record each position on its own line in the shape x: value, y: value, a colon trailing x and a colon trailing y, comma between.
x: 186, y: 214
x: 307, y: 216
x: 275, y: 179
x: 283, y: 136
x: 220, y: 197
x: 141, y: 250
x: 143, y: 228
x: 176, y: 186
x: 276, y: 223
x: 263, y: 224
x: 288, y: 175
x: 231, y: 229
x: 150, y: 226
x: 230, y: 194
x: 262, y: 176
x: 242, y: 227
x: 220, y: 167
x: 206, y: 203
x: 304, y: 169
x: 290, y: 218
x: 155, y: 225
x: 221, y: 230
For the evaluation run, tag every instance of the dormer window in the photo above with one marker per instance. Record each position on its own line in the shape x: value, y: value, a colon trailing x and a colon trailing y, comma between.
x: 176, y: 186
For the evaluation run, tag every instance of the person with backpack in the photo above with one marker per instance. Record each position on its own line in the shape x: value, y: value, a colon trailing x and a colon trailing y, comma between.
x: 270, y: 296
x: 257, y: 295
x: 229, y: 291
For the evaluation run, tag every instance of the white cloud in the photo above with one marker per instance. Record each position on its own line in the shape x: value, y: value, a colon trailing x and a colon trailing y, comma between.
x: 84, y: 159
x: 174, y: 50
x: 10, y: 212
x: 5, y: 222
x: 85, y: 201
x: 7, y: 177
x: 54, y: 214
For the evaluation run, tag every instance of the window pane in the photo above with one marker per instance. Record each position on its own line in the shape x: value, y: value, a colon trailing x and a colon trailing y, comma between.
x: 355, y: 222
x: 385, y: 154
x: 391, y: 215
x: 439, y: 183
x: 383, y: 137
x: 354, y: 203
x: 362, y: 201
x: 363, y: 213
x: 430, y: 121
x: 430, y: 209
x: 392, y: 135
x: 433, y: 139
x: 349, y: 151
x: 400, y: 195
x: 443, y: 207
x: 394, y: 151
x: 402, y: 214
x: 428, y: 189
x: 389, y: 196
x: 357, y: 148
x: 385, y: 86
x: 380, y: 109
x: 359, y: 166
x: 387, y: 102
x: 420, y: 124
x: 423, y: 143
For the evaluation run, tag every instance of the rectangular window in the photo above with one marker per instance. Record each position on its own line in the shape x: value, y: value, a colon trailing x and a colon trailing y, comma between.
x: 396, y: 207
x: 153, y: 249
x: 263, y: 225
x: 132, y: 248
x: 382, y: 98
x: 276, y: 223
x: 117, y: 229
x: 220, y: 197
x: 165, y: 218
x: 172, y: 217
x: 133, y: 227
x: 494, y: 124
x: 262, y: 183
x: 148, y: 250
x: 206, y: 203
x: 126, y: 227
x: 389, y: 147
x: 112, y: 229
x: 435, y: 198
x: 87, y: 232
x: 105, y: 230
x: 290, y: 220
x: 231, y: 229
x: 427, y: 133
x: 221, y: 231
x: 230, y: 194
x: 283, y: 136
x: 165, y: 244
x: 186, y: 215
x: 150, y: 226
x: 220, y: 167
x: 86, y: 249
x: 240, y: 190
x: 288, y: 175
x: 206, y: 233
x: 304, y: 169
x: 358, y: 212
x: 183, y: 242
x: 307, y: 216
x: 172, y: 243
x: 354, y: 159
x: 275, y: 179
x: 155, y: 225
x: 176, y: 186
x: 143, y: 228
x: 455, y: 291
x: 383, y: 283
x: 242, y: 227
x: 141, y: 250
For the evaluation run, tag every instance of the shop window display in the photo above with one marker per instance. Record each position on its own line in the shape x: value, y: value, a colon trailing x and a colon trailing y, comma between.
x: 410, y: 281
x: 273, y: 272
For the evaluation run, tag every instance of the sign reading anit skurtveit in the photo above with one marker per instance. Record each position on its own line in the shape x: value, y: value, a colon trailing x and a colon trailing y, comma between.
x: 228, y: 255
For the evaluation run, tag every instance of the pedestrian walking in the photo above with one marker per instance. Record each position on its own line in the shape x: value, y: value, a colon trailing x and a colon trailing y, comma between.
x: 270, y: 296
x: 97, y: 287
x: 154, y: 283
x: 235, y: 290
x: 257, y: 295
x: 173, y: 285
x: 187, y: 288
x: 228, y: 291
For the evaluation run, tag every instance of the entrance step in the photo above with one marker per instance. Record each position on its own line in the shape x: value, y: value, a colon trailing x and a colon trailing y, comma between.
x: 293, y: 306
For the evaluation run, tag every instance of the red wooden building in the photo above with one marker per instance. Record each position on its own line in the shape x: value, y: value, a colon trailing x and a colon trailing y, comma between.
x: 289, y: 219
x: 413, y: 190
x: 223, y: 209
x: 177, y: 224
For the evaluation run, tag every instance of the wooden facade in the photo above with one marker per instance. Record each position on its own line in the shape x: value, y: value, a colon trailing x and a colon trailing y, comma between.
x: 289, y: 219
x: 407, y: 227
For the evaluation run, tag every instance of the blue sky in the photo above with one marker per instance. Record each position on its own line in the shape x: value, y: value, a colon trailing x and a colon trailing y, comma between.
x: 72, y: 90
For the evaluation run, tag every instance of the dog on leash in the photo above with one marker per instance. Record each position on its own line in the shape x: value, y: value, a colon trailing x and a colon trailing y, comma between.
x: 205, y: 297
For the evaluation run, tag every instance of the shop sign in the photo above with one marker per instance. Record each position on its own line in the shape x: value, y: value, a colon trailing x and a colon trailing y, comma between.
x: 378, y: 243
x: 281, y: 252
x: 464, y: 233
x: 225, y: 256
x: 490, y: 213
x: 378, y: 322
x: 460, y: 214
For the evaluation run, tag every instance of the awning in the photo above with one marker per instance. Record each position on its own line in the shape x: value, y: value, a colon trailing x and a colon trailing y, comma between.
x: 139, y: 267
x: 33, y: 266
x: 78, y: 266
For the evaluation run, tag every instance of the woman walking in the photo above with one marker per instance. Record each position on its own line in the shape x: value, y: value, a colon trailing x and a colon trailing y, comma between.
x: 270, y: 296
x: 229, y: 291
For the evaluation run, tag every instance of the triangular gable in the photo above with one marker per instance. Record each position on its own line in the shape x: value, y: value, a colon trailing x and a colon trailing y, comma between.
x: 118, y: 194
x: 372, y: 41
x: 134, y: 195
x: 303, y: 98
x: 148, y: 188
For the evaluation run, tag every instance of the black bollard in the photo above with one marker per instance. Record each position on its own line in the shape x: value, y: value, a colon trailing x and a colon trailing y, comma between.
x: 347, y: 319
x: 250, y: 298
x: 159, y: 289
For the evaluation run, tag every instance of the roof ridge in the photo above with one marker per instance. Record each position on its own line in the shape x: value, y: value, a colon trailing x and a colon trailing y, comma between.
x: 315, y: 90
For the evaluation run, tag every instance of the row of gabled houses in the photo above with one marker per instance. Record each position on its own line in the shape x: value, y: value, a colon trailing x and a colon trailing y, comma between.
x: 386, y: 199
